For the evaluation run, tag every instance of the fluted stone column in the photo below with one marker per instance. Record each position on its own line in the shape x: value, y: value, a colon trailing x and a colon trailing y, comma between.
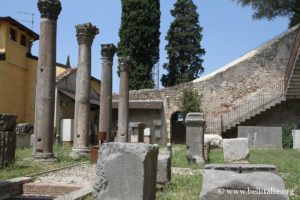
x: 45, y: 87
x: 105, y: 119
x: 123, y: 108
x: 85, y: 35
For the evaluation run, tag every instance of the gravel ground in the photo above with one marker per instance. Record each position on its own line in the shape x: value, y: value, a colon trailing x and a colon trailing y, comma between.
x: 79, y: 175
x: 85, y: 174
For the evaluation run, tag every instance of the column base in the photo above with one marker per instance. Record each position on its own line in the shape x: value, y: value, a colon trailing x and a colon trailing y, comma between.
x: 77, y: 152
x: 44, y: 157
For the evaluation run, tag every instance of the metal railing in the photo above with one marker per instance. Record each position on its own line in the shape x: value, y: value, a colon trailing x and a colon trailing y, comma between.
x: 292, y: 58
x: 248, y: 108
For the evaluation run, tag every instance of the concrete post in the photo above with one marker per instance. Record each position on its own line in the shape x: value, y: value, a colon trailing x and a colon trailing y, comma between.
x: 85, y: 35
x: 195, y: 137
x: 105, y: 119
x: 45, y: 87
x: 123, y: 108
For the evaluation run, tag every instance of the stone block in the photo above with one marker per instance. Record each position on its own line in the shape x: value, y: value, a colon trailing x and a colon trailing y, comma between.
x: 136, y: 131
x: 23, y: 140
x: 296, y: 139
x: 24, y: 128
x: 206, y: 150
x: 236, y: 150
x: 7, y: 122
x: 195, y: 137
x: 242, y: 182
x: 164, y: 167
x: 215, y: 141
x: 262, y: 137
x: 126, y: 171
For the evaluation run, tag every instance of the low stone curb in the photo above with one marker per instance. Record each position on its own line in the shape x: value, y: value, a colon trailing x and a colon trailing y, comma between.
x: 186, y: 171
x: 78, y: 194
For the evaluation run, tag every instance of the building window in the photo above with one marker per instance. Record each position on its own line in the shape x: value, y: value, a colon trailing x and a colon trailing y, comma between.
x: 13, y: 34
x: 23, y: 40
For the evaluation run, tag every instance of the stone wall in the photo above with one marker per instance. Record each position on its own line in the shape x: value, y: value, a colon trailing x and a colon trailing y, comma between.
x: 285, y: 114
x: 228, y: 87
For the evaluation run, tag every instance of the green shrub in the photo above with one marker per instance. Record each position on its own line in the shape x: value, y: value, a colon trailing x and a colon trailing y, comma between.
x: 287, y: 138
x: 190, y: 101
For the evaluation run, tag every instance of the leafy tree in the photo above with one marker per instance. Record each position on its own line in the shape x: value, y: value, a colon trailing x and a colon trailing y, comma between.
x: 139, y: 38
x: 190, y: 101
x: 183, y: 48
x: 270, y: 9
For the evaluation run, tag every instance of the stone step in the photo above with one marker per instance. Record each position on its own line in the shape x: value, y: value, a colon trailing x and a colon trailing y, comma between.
x: 293, y: 96
x: 33, y: 197
x: 296, y: 75
x: 49, y: 189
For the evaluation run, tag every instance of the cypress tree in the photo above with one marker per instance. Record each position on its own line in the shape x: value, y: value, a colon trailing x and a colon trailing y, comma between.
x: 183, y: 48
x: 139, y: 38
x: 68, y: 61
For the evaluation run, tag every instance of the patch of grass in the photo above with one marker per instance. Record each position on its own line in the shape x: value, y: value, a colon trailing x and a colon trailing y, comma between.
x: 179, y: 158
x: 215, y: 156
x: 24, y: 164
x: 181, y: 187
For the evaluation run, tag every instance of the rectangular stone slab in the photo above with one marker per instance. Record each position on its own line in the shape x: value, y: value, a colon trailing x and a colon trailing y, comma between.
x: 242, y: 182
x: 262, y: 136
x: 296, y: 139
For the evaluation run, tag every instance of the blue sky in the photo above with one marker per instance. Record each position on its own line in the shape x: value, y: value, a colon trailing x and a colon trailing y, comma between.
x: 228, y: 29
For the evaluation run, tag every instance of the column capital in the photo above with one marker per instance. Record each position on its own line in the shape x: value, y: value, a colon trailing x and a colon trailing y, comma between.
x: 108, y: 51
x: 86, y: 33
x: 49, y: 9
x: 125, y: 63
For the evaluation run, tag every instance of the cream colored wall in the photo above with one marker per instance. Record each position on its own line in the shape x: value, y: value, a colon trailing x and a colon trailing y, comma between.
x: 13, y: 72
x: 18, y: 77
x: 30, y: 90
x: 3, y: 36
x: 59, y: 70
x: 96, y: 85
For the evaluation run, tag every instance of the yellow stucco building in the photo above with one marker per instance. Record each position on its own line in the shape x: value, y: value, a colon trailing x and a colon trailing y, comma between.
x: 18, y: 70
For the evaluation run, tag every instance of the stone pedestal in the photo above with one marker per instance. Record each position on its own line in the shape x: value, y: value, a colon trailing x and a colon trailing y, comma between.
x: 7, y: 139
x: 236, y: 150
x: 85, y: 35
x: 164, y: 166
x: 105, y: 116
x: 7, y: 122
x: 126, y: 171
x: 296, y: 139
x: 123, y: 108
x: 242, y: 181
x: 195, y: 137
x: 136, y: 132
x: 45, y: 84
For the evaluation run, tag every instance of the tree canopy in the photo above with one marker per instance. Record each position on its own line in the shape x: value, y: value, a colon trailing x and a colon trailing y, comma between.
x: 269, y: 9
x: 139, y: 38
x: 183, y: 48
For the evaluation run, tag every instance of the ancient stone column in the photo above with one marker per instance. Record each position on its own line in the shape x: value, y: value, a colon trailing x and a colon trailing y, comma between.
x: 105, y: 119
x: 85, y: 35
x: 123, y: 108
x: 45, y: 86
